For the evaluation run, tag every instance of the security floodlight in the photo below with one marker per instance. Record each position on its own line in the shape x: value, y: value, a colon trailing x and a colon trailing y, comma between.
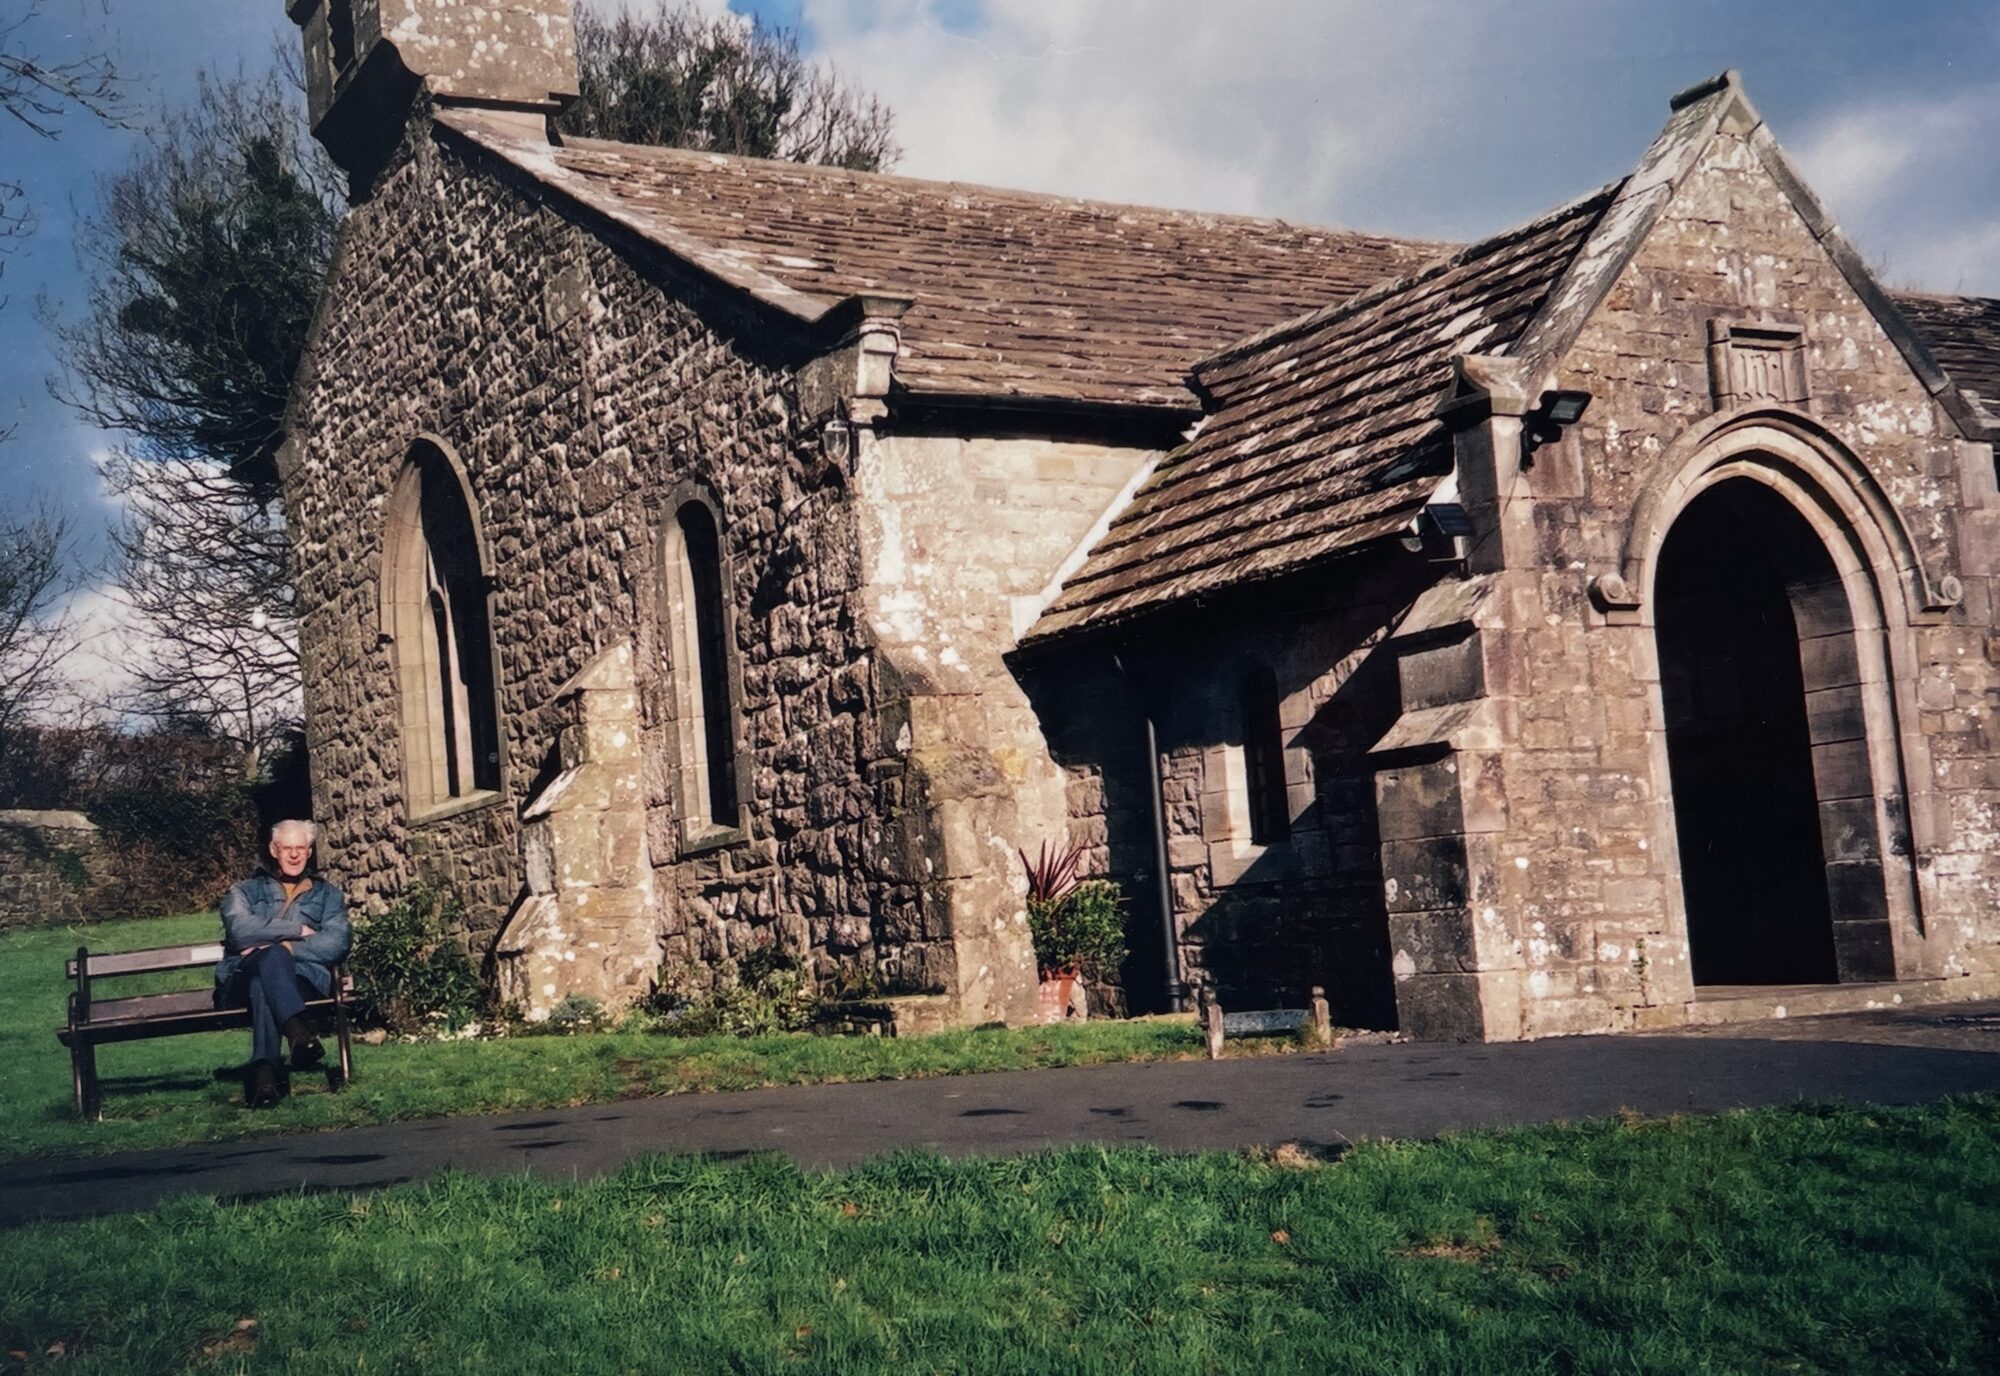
x: 1556, y: 411
x: 1565, y: 407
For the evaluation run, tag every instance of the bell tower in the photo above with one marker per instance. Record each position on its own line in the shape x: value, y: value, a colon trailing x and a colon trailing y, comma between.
x: 368, y: 61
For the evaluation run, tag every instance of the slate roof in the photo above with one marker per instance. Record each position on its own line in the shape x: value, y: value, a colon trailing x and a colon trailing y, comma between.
x: 1323, y: 434
x: 1964, y: 334
x: 1013, y: 294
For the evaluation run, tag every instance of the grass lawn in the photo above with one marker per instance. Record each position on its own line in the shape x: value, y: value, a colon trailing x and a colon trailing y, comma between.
x: 160, y: 1093
x: 1778, y: 1240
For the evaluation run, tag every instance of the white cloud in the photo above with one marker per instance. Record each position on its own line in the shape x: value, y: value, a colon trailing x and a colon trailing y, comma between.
x: 98, y: 671
x: 1425, y: 117
x: 1260, y: 106
x: 1914, y: 182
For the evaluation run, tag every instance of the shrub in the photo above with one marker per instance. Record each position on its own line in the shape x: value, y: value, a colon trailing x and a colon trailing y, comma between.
x: 410, y: 974
x: 577, y: 1013
x: 1084, y: 929
x: 765, y: 992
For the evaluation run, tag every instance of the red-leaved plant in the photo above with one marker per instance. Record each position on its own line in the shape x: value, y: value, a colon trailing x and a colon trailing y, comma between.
x: 1052, y: 873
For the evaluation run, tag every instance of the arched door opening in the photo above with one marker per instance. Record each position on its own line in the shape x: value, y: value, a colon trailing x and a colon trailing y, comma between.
x: 1767, y: 747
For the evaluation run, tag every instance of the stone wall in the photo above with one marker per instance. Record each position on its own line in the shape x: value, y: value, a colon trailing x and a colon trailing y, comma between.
x: 580, y: 389
x: 963, y: 539
x: 51, y: 867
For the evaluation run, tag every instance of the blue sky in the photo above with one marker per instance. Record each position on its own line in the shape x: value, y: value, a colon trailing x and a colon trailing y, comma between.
x: 1442, y: 118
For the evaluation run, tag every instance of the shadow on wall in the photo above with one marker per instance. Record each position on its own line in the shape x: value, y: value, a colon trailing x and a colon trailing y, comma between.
x: 1267, y: 904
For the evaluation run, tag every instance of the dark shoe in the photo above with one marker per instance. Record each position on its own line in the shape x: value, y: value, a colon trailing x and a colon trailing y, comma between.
x: 261, y: 1090
x: 306, y: 1050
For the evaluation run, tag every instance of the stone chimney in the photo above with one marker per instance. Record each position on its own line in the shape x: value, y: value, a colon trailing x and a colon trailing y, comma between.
x: 367, y: 63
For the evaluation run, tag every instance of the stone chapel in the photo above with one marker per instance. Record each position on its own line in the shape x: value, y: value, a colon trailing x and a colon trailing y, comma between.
x: 1589, y: 628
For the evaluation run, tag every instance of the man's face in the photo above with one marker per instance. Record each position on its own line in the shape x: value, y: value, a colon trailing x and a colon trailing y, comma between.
x: 291, y: 851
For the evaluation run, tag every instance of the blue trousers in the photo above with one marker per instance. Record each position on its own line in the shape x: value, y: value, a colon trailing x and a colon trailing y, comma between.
x: 268, y: 982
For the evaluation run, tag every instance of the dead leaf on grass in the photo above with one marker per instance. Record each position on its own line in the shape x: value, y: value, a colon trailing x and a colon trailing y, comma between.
x: 240, y: 1339
x: 1483, y: 1243
x: 1282, y: 1238
x: 1287, y: 1156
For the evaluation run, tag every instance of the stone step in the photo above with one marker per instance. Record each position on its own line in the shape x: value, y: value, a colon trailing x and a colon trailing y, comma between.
x: 1716, y: 1004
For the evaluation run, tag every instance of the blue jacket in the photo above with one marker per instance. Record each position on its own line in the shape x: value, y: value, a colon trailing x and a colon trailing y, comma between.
x: 254, y: 913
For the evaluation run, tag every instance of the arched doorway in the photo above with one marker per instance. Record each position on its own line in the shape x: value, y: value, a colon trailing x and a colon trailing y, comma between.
x: 1781, y: 862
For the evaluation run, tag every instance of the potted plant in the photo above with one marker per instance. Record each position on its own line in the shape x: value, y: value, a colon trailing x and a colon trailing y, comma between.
x: 1078, y: 925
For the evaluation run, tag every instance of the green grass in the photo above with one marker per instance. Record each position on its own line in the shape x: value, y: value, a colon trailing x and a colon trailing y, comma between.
x: 1779, y: 1240
x: 161, y: 1093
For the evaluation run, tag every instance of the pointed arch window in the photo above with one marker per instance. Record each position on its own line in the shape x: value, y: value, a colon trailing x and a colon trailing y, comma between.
x: 436, y: 590
x: 340, y: 34
x: 700, y: 665
x: 1270, y: 813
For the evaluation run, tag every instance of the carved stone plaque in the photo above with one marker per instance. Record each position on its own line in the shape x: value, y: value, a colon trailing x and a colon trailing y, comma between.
x: 1763, y: 360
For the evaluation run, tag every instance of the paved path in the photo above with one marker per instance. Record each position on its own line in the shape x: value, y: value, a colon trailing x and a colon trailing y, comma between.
x: 1397, y: 1090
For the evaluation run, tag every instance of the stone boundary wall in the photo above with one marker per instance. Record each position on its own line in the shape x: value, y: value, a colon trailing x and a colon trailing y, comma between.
x: 51, y: 864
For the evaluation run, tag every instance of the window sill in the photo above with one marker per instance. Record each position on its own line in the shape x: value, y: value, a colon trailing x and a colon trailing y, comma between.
x: 700, y: 838
x: 1233, y: 862
x: 455, y: 807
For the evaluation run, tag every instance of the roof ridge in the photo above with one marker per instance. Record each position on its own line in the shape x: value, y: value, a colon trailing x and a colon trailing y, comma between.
x: 1381, y: 291
x: 1942, y: 297
x: 989, y: 189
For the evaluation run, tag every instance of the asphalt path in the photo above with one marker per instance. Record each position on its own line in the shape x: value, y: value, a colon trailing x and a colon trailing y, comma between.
x: 1321, y: 1100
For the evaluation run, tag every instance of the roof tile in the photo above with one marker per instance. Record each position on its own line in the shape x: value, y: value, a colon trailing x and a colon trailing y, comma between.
x: 1013, y: 293
x: 1322, y: 434
x: 1964, y: 334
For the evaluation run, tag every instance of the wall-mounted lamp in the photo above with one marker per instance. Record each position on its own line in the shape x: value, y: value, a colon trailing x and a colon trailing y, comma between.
x: 1554, y: 413
x: 836, y: 444
x: 1439, y: 528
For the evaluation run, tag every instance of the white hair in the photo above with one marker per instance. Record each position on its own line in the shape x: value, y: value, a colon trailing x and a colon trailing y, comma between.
x: 311, y: 829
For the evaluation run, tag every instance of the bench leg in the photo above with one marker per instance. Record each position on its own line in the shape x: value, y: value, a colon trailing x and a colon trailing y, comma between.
x: 345, y: 1060
x: 83, y: 1081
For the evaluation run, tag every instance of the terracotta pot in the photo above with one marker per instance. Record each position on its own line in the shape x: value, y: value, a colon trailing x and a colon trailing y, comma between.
x: 1059, y: 1001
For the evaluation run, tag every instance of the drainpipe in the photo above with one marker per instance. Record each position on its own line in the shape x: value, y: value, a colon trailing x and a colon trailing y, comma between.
x: 1176, y: 987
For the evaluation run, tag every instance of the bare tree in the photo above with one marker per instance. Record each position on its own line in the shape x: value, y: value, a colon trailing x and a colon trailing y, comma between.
x: 37, y: 95
x: 687, y: 79
x: 199, y: 564
x: 36, y: 578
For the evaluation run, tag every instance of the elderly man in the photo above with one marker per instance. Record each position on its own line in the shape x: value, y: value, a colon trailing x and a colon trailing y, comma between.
x: 282, y: 933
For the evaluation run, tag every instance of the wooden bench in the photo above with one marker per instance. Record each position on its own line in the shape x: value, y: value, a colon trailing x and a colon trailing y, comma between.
x: 1216, y: 1024
x: 94, y: 1021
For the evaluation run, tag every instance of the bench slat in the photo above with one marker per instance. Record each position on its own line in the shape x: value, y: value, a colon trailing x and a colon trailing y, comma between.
x: 168, y: 1015
x: 1266, y: 1020
x: 145, y: 962
x: 168, y: 1005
